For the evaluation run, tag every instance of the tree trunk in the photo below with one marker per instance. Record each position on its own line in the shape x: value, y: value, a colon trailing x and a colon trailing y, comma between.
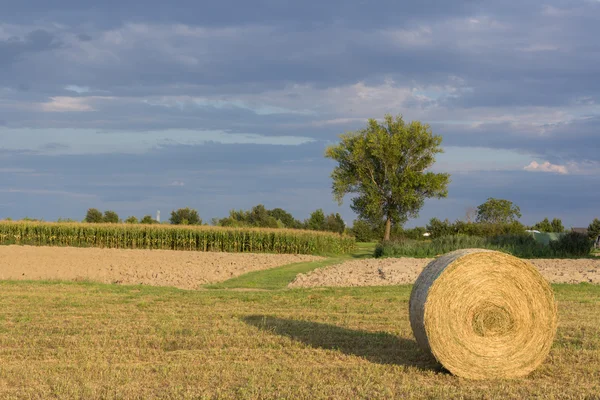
x: 388, y: 229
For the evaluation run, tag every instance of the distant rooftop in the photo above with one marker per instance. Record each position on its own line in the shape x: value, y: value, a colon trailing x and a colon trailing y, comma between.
x: 580, y: 230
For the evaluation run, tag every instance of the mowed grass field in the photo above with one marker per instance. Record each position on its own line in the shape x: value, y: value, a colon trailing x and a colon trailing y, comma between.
x: 88, y: 340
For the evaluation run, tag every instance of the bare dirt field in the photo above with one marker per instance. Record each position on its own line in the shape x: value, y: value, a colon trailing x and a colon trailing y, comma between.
x: 394, y: 271
x: 182, y: 269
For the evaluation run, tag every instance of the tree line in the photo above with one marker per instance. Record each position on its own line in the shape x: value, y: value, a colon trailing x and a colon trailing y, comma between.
x: 495, y: 217
x: 258, y: 217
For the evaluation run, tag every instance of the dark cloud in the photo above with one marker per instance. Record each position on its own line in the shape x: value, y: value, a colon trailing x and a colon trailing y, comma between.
x: 571, y: 141
x: 84, y: 37
x: 39, y: 40
x: 295, y: 14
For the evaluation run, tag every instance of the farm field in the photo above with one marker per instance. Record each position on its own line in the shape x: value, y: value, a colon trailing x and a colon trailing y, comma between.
x: 250, y: 337
x: 84, y: 340
x: 397, y: 271
x: 181, y: 269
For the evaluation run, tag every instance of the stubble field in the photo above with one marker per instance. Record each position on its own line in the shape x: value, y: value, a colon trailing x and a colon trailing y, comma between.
x: 260, y: 341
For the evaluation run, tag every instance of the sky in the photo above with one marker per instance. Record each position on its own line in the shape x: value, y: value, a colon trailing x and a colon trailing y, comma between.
x: 139, y: 106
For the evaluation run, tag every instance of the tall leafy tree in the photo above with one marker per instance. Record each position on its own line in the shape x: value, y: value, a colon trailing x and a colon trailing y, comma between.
x: 438, y: 228
x: 93, y: 215
x: 185, y: 216
x: 386, y: 165
x: 594, y: 229
x: 111, y: 217
x: 259, y: 217
x: 498, y: 211
x: 557, y: 225
x: 147, y: 219
x: 335, y: 223
x: 544, y: 226
x: 316, y: 222
x: 288, y: 219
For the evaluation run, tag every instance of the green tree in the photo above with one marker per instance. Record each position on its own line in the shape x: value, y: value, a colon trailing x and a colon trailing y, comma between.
x: 439, y: 228
x: 363, y: 231
x: 110, y: 217
x: 147, y: 219
x: 93, y: 216
x: 131, y: 220
x: 498, y: 211
x: 288, y: 219
x: 386, y: 165
x: 557, y: 225
x: 259, y: 217
x: 335, y: 223
x: 185, y: 216
x: 543, y: 226
x: 594, y: 229
x: 316, y: 222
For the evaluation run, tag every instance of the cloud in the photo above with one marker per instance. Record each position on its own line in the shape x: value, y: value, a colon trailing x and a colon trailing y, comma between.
x: 66, y: 104
x: 77, y: 89
x: 177, y: 183
x: 84, y: 37
x: 90, y: 141
x: 546, y: 167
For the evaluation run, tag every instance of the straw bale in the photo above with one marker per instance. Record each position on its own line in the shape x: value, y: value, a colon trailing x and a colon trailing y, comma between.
x: 483, y: 314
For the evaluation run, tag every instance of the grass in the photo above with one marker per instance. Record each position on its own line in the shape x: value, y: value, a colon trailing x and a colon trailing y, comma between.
x: 85, y: 340
x: 280, y: 277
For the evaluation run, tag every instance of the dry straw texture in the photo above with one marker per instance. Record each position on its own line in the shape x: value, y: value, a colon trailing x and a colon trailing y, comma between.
x: 483, y: 314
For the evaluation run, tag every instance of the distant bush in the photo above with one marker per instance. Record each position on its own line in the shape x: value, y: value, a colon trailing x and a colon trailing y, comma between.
x: 421, y: 249
x: 573, y: 243
x: 147, y: 219
x: 66, y: 220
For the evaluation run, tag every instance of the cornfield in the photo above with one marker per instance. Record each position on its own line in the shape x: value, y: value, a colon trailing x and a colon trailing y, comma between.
x: 178, y: 237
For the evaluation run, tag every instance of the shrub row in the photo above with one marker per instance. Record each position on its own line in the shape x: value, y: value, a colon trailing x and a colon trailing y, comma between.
x: 196, y: 238
x: 571, y: 245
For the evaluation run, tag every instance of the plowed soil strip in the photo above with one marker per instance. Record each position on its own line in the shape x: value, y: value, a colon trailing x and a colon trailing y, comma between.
x: 182, y: 269
x: 394, y: 271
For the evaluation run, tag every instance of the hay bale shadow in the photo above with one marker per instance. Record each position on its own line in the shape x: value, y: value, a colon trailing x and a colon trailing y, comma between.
x: 377, y: 347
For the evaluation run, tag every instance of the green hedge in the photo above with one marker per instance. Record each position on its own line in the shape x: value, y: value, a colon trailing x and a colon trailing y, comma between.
x: 571, y: 245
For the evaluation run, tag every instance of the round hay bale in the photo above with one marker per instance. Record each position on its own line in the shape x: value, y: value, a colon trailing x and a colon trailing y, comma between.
x: 483, y: 314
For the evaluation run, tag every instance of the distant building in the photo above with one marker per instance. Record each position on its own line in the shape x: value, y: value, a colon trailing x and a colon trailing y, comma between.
x: 426, y: 234
x: 580, y: 230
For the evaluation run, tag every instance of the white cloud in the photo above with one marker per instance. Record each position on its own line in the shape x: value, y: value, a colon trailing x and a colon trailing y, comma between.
x: 546, y: 167
x: 66, y: 104
x: 77, y: 89
x: 177, y: 183
x: 91, y: 141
